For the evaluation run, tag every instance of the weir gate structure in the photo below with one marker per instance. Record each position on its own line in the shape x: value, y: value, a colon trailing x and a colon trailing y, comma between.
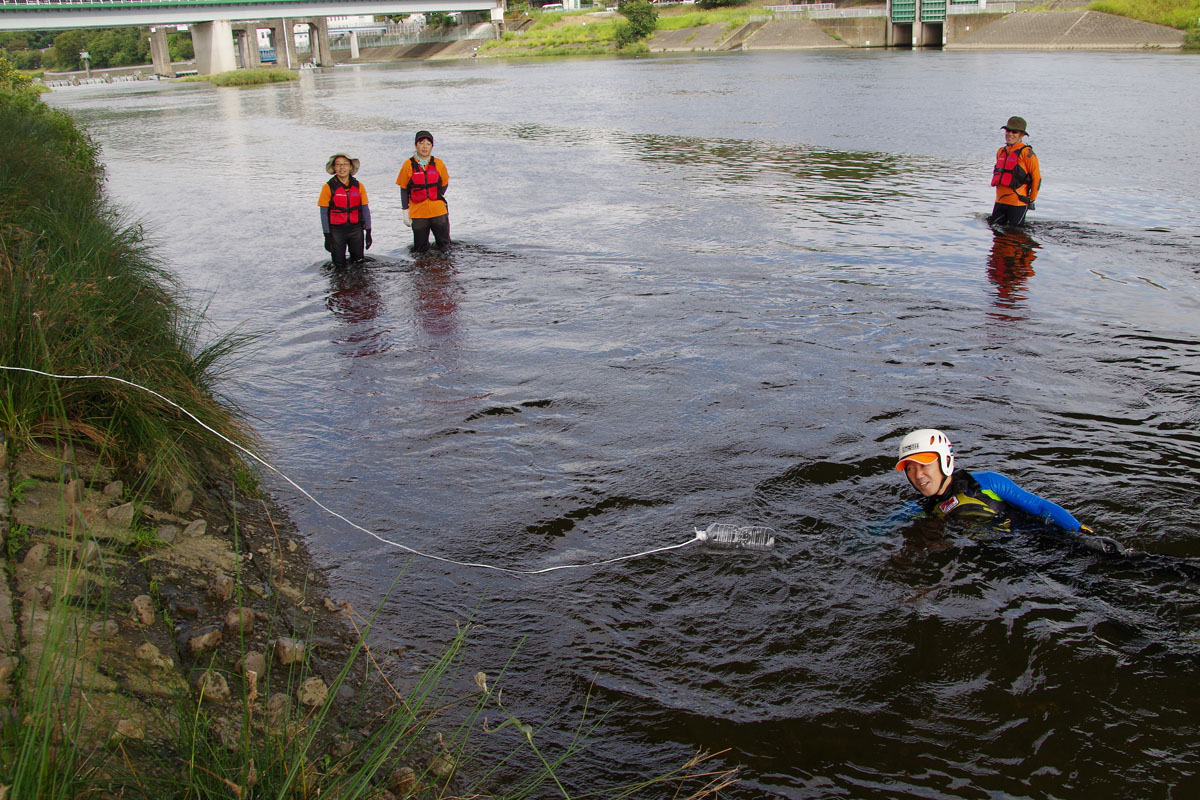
x: 218, y: 26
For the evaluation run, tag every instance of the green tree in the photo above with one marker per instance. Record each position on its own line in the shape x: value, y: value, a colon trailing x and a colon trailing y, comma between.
x: 64, y: 55
x: 439, y: 19
x: 16, y: 88
x: 23, y: 58
x: 180, y: 46
x: 640, y: 21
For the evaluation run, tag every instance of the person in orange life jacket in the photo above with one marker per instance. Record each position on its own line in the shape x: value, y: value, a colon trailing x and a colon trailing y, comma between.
x: 1016, y: 176
x: 927, y: 460
x: 422, y: 181
x: 345, y: 215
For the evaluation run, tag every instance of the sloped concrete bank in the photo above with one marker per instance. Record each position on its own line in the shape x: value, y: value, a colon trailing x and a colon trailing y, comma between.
x: 1062, y: 30
x: 1023, y: 30
x: 138, y: 610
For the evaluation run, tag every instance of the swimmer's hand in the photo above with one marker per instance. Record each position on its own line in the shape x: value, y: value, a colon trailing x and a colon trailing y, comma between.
x: 407, y: 219
x: 1103, y: 544
x: 329, y: 242
x: 367, y: 238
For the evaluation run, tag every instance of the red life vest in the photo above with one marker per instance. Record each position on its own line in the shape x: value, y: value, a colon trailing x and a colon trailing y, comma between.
x: 344, y: 202
x: 424, y: 183
x: 1008, y: 171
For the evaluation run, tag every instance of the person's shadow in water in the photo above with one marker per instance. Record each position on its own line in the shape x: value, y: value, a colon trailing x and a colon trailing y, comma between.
x: 355, y: 300
x: 353, y: 294
x: 1010, y: 265
x: 436, y: 292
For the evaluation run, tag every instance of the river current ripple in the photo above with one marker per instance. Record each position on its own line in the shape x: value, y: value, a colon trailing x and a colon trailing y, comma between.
x: 695, y: 289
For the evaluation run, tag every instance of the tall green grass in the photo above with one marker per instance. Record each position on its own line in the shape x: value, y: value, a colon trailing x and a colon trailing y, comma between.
x: 81, y: 293
x: 1182, y: 14
x: 246, y: 77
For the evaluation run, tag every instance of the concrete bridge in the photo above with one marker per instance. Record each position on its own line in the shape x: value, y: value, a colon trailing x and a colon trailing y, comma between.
x: 218, y: 26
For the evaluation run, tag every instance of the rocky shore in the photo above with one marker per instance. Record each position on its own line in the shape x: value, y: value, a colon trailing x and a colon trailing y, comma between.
x: 135, y: 610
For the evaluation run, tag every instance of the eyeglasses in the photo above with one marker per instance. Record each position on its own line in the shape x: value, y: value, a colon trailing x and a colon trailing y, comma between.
x: 1012, y: 130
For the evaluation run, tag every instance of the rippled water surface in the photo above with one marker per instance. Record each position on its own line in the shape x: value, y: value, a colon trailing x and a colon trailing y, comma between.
x: 689, y: 290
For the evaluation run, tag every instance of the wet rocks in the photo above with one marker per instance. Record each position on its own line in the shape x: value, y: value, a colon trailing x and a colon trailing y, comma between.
x: 143, y: 609
x: 219, y: 606
x: 289, y: 651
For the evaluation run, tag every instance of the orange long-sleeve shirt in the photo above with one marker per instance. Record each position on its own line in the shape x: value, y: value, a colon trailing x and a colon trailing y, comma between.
x: 1028, y: 161
x: 426, y: 208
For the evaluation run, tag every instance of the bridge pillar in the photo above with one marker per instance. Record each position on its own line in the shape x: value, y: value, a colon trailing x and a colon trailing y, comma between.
x: 247, y: 42
x: 318, y: 37
x: 160, y: 54
x: 285, y: 45
x: 354, y: 51
x: 214, y: 47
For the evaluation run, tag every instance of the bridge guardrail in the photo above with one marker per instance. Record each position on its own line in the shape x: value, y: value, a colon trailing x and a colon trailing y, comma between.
x: 824, y: 11
x: 980, y: 8
x: 26, y: 4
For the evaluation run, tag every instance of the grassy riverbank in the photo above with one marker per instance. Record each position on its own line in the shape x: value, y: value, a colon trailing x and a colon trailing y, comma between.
x: 1181, y: 14
x: 246, y: 77
x: 85, y: 295
x: 587, y: 33
x: 162, y: 631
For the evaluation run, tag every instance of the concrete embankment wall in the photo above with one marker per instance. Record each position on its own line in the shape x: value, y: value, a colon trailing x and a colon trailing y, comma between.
x: 791, y: 34
x: 1047, y: 30
x: 1064, y: 30
x: 856, y: 32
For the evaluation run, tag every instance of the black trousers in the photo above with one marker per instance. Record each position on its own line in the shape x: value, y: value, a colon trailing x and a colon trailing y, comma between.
x: 1011, y: 216
x: 346, y: 237
x: 421, y: 228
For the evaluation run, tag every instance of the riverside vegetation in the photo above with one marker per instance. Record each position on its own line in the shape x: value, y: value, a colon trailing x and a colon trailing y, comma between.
x: 162, y: 633
x: 246, y: 77
x: 581, y: 33
x: 554, y: 33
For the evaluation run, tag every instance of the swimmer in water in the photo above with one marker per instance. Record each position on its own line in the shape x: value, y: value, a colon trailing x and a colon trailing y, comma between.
x: 926, y: 457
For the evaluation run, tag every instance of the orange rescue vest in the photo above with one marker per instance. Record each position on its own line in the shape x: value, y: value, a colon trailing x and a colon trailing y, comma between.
x: 424, y: 183
x: 344, y: 202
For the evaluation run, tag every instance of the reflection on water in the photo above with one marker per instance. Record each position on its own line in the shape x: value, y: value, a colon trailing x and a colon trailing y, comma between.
x: 1010, y: 266
x: 666, y: 313
x: 355, y: 299
x: 436, y: 291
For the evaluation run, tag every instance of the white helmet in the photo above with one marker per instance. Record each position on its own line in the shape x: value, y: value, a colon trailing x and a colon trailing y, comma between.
x: 924, y: 446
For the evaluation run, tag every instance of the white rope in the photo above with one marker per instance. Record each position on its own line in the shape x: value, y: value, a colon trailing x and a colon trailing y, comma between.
x: 333, y: 513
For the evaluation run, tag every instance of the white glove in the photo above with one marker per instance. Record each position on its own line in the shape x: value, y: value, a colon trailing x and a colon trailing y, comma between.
x: 407, y: 219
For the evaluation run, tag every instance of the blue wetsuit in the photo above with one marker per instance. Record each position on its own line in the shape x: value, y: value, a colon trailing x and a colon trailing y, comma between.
x: 987, y: 497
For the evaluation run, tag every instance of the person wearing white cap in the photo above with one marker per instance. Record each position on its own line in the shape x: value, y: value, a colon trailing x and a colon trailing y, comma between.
x: 927, y: 460
x: 345, y: 215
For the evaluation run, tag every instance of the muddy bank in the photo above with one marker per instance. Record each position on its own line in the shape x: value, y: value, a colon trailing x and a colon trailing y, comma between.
x: 140, y: 608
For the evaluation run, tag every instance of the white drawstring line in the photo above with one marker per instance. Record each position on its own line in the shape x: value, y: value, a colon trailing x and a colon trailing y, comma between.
x: 333, y: 513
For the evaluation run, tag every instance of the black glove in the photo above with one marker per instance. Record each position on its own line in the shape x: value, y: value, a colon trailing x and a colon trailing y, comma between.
x: 1104, y: 544
x: 1031, y: 205
x: 367, y: 238
x: 329, y: 242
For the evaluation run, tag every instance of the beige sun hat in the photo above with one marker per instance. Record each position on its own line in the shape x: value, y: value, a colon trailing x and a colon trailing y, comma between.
x: 335, y: 157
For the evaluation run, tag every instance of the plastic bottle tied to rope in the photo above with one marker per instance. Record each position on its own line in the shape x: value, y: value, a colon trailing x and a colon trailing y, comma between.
x: 724, y: 534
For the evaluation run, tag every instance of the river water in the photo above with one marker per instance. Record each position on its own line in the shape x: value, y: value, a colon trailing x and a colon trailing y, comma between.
x: 697, y: 289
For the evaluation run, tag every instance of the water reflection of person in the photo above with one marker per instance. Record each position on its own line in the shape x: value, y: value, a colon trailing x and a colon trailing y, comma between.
x: 1010, y: 264
x: 436, y: 298
x: 345, y: 215
x: 423, y: 180
x: 353, y: 295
